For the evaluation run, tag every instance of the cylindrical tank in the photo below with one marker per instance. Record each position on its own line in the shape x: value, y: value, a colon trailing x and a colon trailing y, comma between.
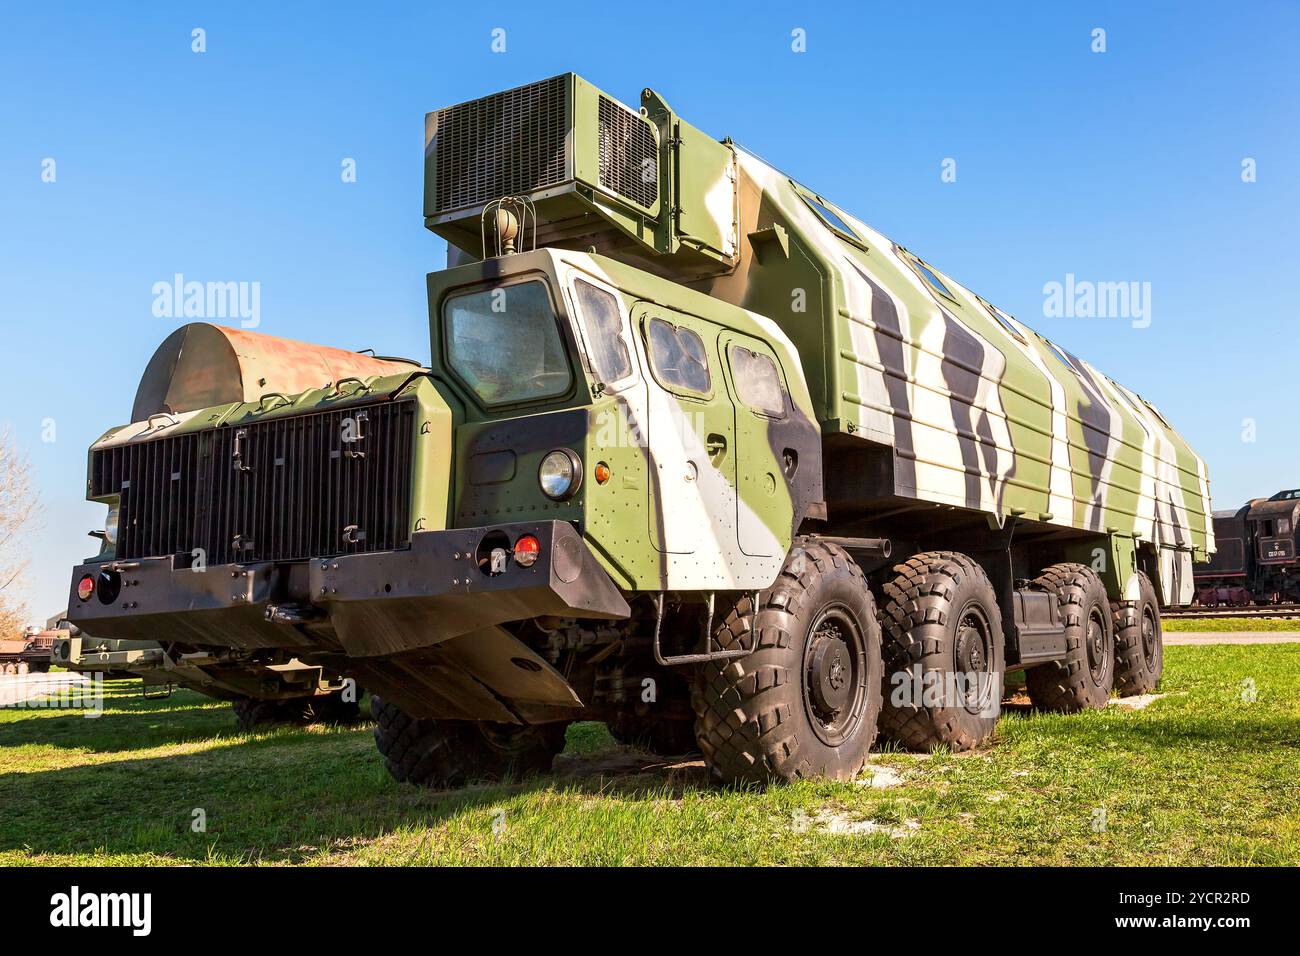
x: 201, y: 365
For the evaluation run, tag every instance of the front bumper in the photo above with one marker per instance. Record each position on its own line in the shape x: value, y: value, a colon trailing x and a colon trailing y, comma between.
x: 365, y: 605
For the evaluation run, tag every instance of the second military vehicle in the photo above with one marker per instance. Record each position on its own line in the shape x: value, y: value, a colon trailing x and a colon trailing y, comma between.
x: 262, y: 688
x: 697, y: 452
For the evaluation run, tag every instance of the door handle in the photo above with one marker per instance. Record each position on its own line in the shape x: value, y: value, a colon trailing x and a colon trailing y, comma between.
x: 716, y: 445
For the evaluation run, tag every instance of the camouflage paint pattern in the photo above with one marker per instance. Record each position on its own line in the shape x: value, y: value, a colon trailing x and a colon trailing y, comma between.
x: 981, y: 412
x: 977, y: 411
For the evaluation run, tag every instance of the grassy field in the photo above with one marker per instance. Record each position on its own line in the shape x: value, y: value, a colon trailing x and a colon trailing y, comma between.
x: 1203, y: 775
x: 1223, y: 624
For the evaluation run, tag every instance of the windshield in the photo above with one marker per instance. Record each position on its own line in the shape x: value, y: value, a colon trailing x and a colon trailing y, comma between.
x: 504, y: 344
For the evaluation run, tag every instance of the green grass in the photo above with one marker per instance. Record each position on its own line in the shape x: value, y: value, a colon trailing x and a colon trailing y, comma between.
x: 1202, y: 776
x: 1232, y: 624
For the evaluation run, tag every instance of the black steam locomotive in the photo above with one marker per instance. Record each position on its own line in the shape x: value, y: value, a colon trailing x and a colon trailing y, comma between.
x: 1256, y: 558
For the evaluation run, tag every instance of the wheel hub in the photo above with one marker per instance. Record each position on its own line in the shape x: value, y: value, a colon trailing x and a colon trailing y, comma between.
x: 829, y: 672
x: 970, y: 651
x: 1096, y: 639
x: 1148, y: 638
x: 973, y: 660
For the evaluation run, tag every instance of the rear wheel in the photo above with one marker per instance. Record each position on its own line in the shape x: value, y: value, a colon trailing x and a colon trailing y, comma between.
x: 806, y: 702
x: 1084, y: 678
x: 1139, y: 642
x: 452, y: 753
x: 943, y: 652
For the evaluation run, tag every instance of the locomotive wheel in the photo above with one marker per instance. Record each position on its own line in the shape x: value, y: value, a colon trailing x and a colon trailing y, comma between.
x: 806, y: 702
x: 1084, y: 679
x: 1139, y: 642
x: 943, y: 653
x: 452, y: 753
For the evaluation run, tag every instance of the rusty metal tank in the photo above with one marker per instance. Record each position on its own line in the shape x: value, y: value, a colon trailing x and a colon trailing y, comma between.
x: 201, y: 365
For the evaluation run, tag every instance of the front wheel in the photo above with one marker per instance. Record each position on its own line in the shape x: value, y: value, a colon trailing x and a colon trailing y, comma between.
x: 453, y: 753
x: 805, y: 702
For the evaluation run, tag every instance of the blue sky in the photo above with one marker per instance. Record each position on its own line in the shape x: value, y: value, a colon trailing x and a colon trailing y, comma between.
x: 225, y: 166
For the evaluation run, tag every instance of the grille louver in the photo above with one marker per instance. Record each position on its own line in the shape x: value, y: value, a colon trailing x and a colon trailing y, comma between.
x: 501, y: 145
x: 628, y: 158
x: 289, y: 495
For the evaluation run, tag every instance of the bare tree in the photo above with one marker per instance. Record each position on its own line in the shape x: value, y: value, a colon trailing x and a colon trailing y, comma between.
x: 20, y: 510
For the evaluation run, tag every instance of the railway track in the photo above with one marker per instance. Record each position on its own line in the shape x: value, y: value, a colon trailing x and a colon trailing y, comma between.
x: 1273, y: 611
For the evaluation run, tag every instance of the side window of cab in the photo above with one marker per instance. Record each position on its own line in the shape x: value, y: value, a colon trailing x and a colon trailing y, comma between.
x: 602, y: 327
x: 758, y: 383
x: 679, y: 358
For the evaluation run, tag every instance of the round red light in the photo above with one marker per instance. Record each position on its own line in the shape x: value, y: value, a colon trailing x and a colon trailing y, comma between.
x: 602, y: 472
x: 527, y: 548
x: 86, y: 587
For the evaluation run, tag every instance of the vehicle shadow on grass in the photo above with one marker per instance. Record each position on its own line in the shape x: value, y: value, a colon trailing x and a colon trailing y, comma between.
x: 280, y: 798
x: 127, y: 722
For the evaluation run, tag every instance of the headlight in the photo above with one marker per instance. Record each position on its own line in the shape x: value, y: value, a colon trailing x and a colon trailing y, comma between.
x: 560, y: 474
x: 110, y: 525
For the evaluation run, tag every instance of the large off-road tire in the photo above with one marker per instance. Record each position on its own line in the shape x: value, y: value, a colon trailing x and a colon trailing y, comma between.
x: 252, y: 713
x: 452, y: 753
x: 944, y: 656
x: 806, y: 702
x: 331, y: 708
x: 1139, y: 642
x: 664, y: 736
x: 1086, y: 676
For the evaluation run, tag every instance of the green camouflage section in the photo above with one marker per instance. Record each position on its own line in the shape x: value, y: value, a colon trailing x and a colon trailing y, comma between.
x: 977, y: 411
x: 698, y: 495
x: 980, y: 411
x: 719, y: 322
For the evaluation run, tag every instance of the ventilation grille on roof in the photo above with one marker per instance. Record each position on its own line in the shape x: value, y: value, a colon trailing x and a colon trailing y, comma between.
x: 628, y: 159
x: 501, y: 145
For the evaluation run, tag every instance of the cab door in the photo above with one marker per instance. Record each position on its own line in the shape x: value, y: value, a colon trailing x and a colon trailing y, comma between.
x: 763, y: 410
x: 689, y: 444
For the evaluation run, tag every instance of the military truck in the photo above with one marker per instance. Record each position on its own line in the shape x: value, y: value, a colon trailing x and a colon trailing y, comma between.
x: 697, y: 453
x: 262, y: 689
x: 22, y: 655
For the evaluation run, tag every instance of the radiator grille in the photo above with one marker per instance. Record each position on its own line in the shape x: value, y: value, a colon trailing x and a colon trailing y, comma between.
x: 278, y: 490
x: 501, y: 145
x: 628, y: 159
